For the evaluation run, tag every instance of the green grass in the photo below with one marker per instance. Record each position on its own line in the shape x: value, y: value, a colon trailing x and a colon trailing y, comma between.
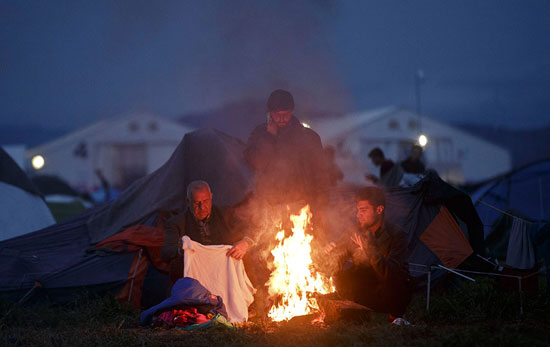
x: 476, y: 314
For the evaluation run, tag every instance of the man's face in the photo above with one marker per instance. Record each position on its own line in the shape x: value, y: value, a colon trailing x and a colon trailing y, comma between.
x: 368, y: 215
x: 281, y: 117
x: 201, y: 203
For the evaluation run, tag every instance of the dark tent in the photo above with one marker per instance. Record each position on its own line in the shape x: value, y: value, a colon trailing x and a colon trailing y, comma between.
x: 63, y: 258
x: 207, y: 154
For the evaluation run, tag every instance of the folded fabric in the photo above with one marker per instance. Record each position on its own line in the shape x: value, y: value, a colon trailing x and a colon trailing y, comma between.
x: 186, y: 291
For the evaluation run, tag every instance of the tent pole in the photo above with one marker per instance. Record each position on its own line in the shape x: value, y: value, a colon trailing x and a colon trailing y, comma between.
x: 520, y: 297
x: 428, y: 291
x: 134, y: 275
x: 456, y: 273
x: 541, y: 199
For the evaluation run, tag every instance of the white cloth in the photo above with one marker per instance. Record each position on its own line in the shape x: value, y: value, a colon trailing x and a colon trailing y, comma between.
x: 221, y: 275
x: 521, y: 251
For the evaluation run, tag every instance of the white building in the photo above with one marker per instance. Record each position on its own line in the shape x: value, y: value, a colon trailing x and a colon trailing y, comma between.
x: 457, y: 156
x: 122, y: 148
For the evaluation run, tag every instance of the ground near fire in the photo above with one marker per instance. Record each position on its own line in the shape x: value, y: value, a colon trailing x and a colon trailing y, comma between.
x: 461, y: 313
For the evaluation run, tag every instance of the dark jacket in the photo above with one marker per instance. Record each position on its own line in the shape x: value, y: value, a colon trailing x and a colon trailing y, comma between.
x: 217, y: 232
x: 289, y: 166
x: 385, y: 252
x: 413, y: 166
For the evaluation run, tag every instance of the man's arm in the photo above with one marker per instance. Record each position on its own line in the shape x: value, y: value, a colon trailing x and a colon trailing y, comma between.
x: 395, y: 262
x: 172, y: 240
x: 319, y: 169
x: 259, y: 148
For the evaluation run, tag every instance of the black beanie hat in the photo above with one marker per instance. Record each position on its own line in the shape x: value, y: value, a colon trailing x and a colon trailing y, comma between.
x: 280, y: 100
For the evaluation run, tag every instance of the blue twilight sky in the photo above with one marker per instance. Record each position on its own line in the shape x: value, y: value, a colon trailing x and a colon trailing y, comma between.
x: 64, y: 64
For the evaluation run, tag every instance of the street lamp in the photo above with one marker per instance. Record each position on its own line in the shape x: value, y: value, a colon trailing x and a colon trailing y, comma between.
x: 419, y: 78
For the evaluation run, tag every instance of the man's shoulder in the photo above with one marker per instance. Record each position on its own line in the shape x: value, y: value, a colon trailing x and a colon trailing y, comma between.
x: 178, y: 218
x: 305, y: 134
x: 395, y: 230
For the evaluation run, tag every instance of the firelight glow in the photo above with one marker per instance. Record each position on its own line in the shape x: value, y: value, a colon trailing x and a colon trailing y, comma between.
x: 38, y: 162
x: 293, y: 278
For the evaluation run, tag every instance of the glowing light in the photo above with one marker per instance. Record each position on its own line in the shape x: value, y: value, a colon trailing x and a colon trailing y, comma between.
x: 293, y: 280
x: 305, y: 125
x: 422, y: 140
x: 38, y: 162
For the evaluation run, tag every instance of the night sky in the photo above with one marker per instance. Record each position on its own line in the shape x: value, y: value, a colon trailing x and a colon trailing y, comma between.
x: 65, y: 64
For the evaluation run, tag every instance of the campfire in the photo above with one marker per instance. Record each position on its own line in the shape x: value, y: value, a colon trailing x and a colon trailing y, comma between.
x: 294, y: 281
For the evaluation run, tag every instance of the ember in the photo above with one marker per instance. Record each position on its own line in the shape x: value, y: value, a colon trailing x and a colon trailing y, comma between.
x: 294, y: 280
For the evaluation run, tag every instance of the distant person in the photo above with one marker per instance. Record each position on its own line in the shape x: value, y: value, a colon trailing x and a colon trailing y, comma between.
x: 334, y: 173
x: 104, y: 184
x: 372, y: 259
x: 390, y: 175
x: 203, y: 222
x: 413, y: 164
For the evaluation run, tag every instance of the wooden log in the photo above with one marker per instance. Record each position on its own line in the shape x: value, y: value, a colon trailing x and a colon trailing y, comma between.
x: 343, y: 310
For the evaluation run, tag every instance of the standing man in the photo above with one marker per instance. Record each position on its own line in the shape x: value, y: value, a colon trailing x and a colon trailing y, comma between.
x: 376, y: 274
x: 290, y: 171
x: 287, y: 158
x: 203, y: 223
x: 390, y: 175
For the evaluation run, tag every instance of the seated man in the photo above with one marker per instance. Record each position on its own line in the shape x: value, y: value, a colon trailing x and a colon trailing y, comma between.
x: 378, y: 276
x: 203, y: 223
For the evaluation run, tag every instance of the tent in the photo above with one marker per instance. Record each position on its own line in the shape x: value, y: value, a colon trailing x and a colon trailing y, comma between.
x: 22, y: 208
x: 116, y: 246
x: 515, y: 210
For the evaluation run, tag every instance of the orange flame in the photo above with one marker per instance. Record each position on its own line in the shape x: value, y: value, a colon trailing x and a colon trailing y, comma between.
x: 292, y: 279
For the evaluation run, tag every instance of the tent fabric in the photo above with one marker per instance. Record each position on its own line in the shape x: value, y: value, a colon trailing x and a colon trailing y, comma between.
x: 21, y: 212
x: 186, y: 292
x: 136, y: 239
x: 57, y: 258
x: 521, y: 251
x: 206, y: 154
x: 53, y: 185
x: 22, y: 208
x: 11, y: 174
x: 222, y: 275
x: 445, y: 238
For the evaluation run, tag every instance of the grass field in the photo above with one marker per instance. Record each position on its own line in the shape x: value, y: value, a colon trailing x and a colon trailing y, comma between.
x: 475, y: 314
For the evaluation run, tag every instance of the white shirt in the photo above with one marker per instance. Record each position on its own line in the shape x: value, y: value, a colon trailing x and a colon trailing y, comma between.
x: 221, y: 275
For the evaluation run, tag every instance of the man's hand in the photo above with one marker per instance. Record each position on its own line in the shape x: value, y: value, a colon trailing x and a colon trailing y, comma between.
x: 239, y: 249
x: 357, y: 240
x: 329, y: 247
x: 272, y: 127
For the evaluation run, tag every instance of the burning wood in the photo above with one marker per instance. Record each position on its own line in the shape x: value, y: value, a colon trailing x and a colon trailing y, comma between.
x: 294, y: 281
